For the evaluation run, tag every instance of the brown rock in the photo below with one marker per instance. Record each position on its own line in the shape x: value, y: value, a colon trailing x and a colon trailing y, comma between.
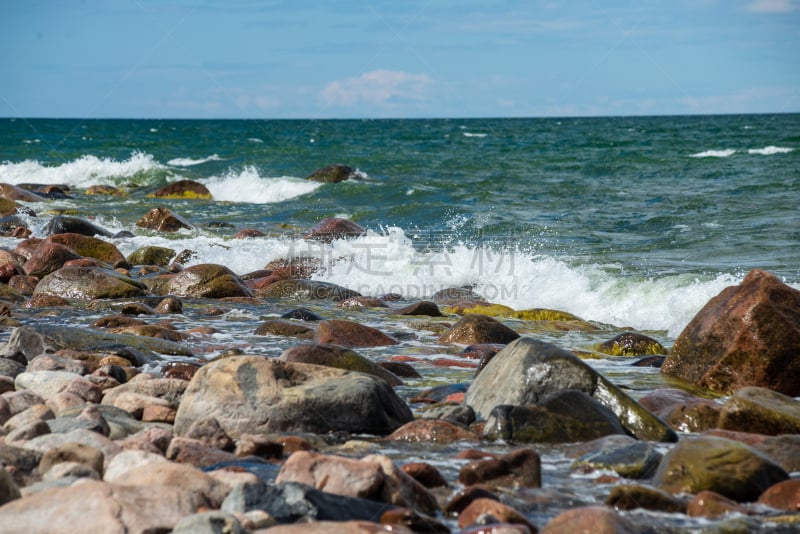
x: 355, y: 303
x: 594, y: 519
x: 90, y: 247
x: 72, y: 452
x: 748, y: 335
x: 760, y: 410
x: 208, y: 280
x: 246, y: 233
x: 433, y: 431
x: 463, y: 497
x: 187, y: 478
x: 195, y: 452
x: 163, y: 220
x: 351, y: 334
x: 332, y: 174
x: 183, y: 189
x: 487, y: 511
x: 520, y: 468
x: 682, y: 411
x: 425, y: 474
x: 328, y: 230
x: 12, y: 192
x: 424, y: 307
x: 209, y: 431
x: 258, y: 445
x: 47, y: 258
x: 476, y: 328
x: 286, y: 328
x: 712, y: 505
x: 783, y: 496
x: 633, y: 496
x: 338, y: 357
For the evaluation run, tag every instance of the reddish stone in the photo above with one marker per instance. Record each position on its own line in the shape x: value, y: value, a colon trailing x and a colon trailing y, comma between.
x: 245, y: 233
x: 462, y: 498
x: 521, y: 467
x: 449, y: 362
x: 594, y: 519
x: 351, y: 334
x: 748, y: 335
x: 481, y: 510
x: 163, y: 220
x: 48, y: 257
x: 712, y: 505
x: 333, y: 228
x: 425, y: 474
x: 432, y: 431
x: 783, y: 495
x: 478, y: 329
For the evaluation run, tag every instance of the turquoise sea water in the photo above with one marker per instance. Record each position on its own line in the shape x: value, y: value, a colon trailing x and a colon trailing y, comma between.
x: 632, y: 221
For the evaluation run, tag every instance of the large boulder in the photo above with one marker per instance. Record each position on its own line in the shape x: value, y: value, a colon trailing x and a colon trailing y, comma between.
x: 89, y: 247
x: 183, y: 189
x: 762, y: 411
x: 527, y: 371
x: 338, y: 357
x: 748, y: 335
x: 12, y: 192
x: 88, y: 283
x: 62, y: 224
x: 48, y: 258
x: 328, y: 230
x: 351, y: 334
x: 475, y: 328
x: 727, y: 467
x: 151, y: 255
x: 93, y: 506
x: 208, y: 280
x: 251, y: 394
x: 332, y: 174
x: 306, y: 289
x: 163, y: 220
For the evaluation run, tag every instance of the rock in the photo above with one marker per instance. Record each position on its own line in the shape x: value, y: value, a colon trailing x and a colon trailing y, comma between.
x: 282, y: 327
x: 11, y: 368
x: 151, y: 255
x: 53, y: 362
x: 153, y: 439
x: 748, y: 335
x: 632, y: 497
x: 306, y: 289
x: 210, y: 432
x: 328, y: 230
x: 783, y: 450
x: 88, y: 283
x: 27, y: 342
x: 682, y: 411
x: 636, y: 460
x: 250, y: 394
x: 424, y: 307
x: 35, y: 414
x: 336, y: 527
x: 8, y: 489
x: 186, y: 189
x: 197, y: 453
x: 169, y: 305
x: 462, y: 498
x: 213, y: 522
x: 476, y: 328
x: 75, y: 453
x: 454, y: 295
x: 760, y: 410
x: 259, y: 446
x: 89, y: 247
x: 727, y: 467
x: 528, y: 370
x: 187, y: 478
x: 519, y: 468
x: 488, y: 512
x: 100, y: 507
x: 356, y: 303
x: 594, y: 519
x: 47, y: 258
x: 20, y: 463
x: 290, y: 502
x: 433, y: 431
x: 45, y: 384
x: 163, y: 220
x: 350, y: 334
x: 119, y: 423
x: 712, y: 505
x: 338, y: 357
x: 302, y: 314
x: 63, y: 224
x: 135, y: 395
x: 333, y: 174
x: 127, y: 460
x: 457, y: 414
x: 208, y: 281
x: 12, y: 192
x: 631, y: 344
x: 782, y: 496
x: 425, y: 474
x: 43, y: 444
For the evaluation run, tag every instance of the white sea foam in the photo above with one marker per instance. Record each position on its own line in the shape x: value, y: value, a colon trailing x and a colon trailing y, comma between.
x: 770, y: 150
x: 249, y: 186
x: 81, y: 172
x: 714, y: 153
x: 471, y: 134
x: 189, y: 162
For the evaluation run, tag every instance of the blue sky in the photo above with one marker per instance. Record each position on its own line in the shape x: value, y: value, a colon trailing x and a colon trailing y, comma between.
x: 399, y: 58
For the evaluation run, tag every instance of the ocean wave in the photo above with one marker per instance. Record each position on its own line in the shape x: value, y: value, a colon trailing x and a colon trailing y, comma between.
x: 714, y: 153
x: 770, y: 150
x: 249, y: 186
x: 189, y: 162
x: 81, y: 172
x: 471, y: 134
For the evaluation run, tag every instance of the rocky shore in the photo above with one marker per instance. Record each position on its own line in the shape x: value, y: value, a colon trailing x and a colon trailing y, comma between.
x: 125, y: 424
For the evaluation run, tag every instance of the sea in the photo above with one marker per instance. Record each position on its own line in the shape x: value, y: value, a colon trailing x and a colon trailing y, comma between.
x: 625, y: 222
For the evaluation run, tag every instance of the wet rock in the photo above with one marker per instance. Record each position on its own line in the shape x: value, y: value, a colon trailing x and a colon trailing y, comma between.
x: 250, y: 394
x: 338, y: 357
x: 350, y: 334
x: 12, y: 192
x: 302, y: 314
x: 453, y: 295
x: 90, y: 247
x: 433, y: 431
x: 632, y: 497
x: 457, y: 414
x: 748, y: 335
x: 727, y: 467
x: 518, y: 468
x: 207, y: 280
x: 682, y: 411
x: 47, y: 258
x: 88, y: 283
x: 297, y: 267
x: 63, y: 224
x: 782, y: 496
x: 401, y: 369
x: 424, y: 307
x: 180, y: 370
x: 328, y: 230
x: 528, y: 370
x: 213, y: 522
x: 306, y: 289
x: 425, y: 474
x: 594, y: 519
x: 356, y: 303
x: 475, y: 328
x: 101, y: 507
x: 186, y: 189
x: 636, y: 460
x: 783, y: 450
x: 151, y: 255
x: 163, y: 220
x: 631, y: 344
x: 488, y: 512
x: 282, y: 327
x: 712, y: 505
x: 760, y: 410
x: 332, y: 174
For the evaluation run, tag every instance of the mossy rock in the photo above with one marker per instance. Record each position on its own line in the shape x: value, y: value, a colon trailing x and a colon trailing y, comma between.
x: 543, y: 314
x: 90, y: 247
x: 762, y: 411
x: 480, y: 308
x: 631, y: 344
x: 151, y: 255
x: 183, y: 189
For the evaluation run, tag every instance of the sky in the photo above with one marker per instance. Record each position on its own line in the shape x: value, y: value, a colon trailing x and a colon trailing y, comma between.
x: 398, y: 58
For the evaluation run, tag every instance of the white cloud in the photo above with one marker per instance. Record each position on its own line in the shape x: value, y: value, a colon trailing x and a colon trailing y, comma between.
x: 771, y: 6
x: 378, y: 87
